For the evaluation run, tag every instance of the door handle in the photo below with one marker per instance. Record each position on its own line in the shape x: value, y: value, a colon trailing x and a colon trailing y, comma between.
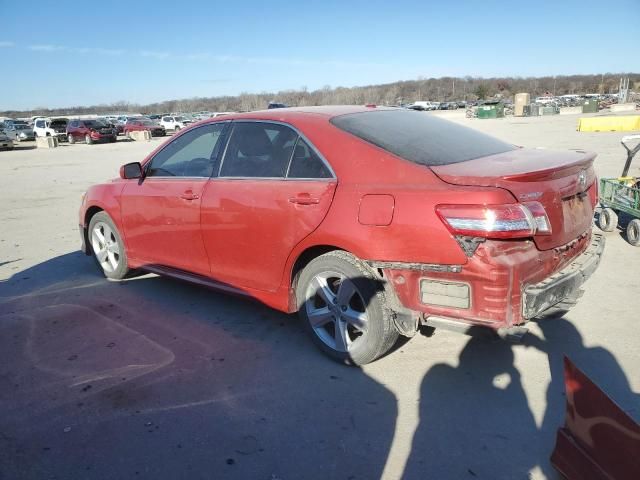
x: 189, y: 195
x: 304, y: 199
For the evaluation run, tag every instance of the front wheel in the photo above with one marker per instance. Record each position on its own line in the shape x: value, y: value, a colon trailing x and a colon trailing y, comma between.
x: 71, y: 139
x: 107, y: 246
x: 344, y: 309
x: 88, y: 140
x: 608, y: 220
x: 633, y: 232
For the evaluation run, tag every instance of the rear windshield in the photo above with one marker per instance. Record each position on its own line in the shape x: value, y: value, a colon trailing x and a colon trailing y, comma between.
x: 420, y: 137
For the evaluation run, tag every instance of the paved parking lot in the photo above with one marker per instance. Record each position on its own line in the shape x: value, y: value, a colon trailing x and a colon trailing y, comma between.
x: 153, y: 378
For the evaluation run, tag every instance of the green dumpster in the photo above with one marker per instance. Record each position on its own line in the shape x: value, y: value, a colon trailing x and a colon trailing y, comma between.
x: 491, y: 110
x: 590, y: 105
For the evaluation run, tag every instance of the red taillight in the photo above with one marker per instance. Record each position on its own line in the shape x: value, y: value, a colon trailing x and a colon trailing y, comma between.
x: 515, y: 220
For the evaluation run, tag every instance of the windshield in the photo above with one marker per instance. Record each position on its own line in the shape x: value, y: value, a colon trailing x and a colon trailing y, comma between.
x: 94, y: 123
x: 420, y: 138
x: 21, y: 127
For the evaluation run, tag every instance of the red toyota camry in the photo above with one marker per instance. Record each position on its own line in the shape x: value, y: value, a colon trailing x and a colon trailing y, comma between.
x: 369, y: 222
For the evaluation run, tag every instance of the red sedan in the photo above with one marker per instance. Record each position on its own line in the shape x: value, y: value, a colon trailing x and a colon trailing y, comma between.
x: 141, y: 124
x: 369, y: 222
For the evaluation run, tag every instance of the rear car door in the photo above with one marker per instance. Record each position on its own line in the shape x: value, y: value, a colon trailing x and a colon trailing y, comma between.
x: 273, y: 189
x: 161, y: 213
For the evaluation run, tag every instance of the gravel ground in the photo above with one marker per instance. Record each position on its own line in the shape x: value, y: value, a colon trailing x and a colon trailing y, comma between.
x: 153, y: 378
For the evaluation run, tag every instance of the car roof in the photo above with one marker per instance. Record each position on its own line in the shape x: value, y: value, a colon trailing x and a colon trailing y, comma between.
x: 297, y: 113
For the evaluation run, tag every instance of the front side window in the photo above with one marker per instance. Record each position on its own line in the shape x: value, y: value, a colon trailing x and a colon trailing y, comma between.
x: 40, y: 124
x: 258, y: 149
x: 190, y: 155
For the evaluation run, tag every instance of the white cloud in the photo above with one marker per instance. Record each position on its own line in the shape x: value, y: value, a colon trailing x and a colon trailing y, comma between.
x: 45, y: 48
x: 5, y: 44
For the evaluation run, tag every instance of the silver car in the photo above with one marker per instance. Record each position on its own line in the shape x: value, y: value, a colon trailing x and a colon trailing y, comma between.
x: 5, y: 141
x: 19, y: 132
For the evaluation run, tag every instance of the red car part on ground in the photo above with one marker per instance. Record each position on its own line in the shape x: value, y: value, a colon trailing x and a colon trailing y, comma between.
x: 598, y: 441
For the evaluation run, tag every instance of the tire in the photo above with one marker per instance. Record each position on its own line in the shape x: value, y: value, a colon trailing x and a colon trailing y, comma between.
x: 331, y: 321
x: 70, y: 139
x: 608, y: 220
x: 18, y: 139
x: 107, y: 246
x: 633, y: 232
x: 176, y: 129
x: 88, y: 140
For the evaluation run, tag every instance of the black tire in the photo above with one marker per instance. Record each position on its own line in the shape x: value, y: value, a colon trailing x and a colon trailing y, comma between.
x: 176, y: 129
x: 608, y: 220
x: 368, y: 300
x: 633, y: 232
x: 122, y: 269
x: 88, y: 140
x: 71, y: 139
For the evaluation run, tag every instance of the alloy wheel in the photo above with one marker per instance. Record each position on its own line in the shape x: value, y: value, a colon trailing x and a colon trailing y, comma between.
x: 105, y: 247
x: 336, y: 310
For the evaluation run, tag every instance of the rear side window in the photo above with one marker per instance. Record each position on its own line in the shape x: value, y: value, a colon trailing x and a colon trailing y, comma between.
x: 306, y: 163
x: 258, y: 149
x: 419, y: 137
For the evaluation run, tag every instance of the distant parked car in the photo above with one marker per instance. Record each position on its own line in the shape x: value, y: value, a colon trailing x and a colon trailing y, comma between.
x: 90, y: 131
x: 276, y: 105
x: 462, y: 104
x: 175, y: 122
x: 19, y: 132
x: 141, y: 124
x: 5, y: 142
x: 51, y: 127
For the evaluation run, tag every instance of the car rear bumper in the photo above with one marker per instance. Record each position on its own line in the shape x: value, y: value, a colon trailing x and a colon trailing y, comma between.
x: 504, y: 284
x: 543, y: 295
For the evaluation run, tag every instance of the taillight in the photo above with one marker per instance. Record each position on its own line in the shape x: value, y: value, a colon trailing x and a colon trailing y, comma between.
x: 515, y: 220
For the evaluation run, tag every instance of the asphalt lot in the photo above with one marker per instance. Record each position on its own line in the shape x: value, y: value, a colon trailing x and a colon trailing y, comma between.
x: 153, y: 378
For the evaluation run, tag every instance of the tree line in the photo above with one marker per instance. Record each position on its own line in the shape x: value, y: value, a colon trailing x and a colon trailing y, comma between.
x: 401, y: 92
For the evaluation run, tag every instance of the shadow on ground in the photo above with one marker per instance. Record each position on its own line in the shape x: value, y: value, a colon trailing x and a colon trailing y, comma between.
x: 153, y: 378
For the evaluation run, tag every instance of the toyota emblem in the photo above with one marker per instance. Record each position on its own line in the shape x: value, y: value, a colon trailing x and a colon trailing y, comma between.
x: 582, y: 179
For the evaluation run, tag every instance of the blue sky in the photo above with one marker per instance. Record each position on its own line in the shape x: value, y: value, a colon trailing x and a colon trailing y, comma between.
x: 142, y: 51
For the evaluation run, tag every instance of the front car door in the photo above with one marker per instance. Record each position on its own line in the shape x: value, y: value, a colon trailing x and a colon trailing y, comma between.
x: 273, y: 190
x: 161, y: 213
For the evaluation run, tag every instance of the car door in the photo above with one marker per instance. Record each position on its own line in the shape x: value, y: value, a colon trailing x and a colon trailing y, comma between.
x: 255, y: 212
x: 161, y: 213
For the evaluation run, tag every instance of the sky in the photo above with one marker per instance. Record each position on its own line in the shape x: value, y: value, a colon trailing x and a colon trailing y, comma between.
x: 60, y: 54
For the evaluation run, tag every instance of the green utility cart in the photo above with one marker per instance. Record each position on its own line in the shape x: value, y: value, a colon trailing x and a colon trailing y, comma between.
x: 622, y: 194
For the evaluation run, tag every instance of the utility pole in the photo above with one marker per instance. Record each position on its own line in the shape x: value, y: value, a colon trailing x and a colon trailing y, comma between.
x: 453, y: 89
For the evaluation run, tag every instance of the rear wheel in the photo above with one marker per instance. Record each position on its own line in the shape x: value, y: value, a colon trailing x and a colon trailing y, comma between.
x: 344, y: 309
x: 71, y: 139
x: 608, y: 220
x: 107, y: 246
x: 633, y: 232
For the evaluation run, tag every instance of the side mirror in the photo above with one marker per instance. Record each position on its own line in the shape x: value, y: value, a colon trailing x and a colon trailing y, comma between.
x: 131, y: 170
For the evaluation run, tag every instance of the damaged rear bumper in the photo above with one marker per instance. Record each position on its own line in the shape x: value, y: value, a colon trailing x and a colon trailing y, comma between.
x: 563, y: 284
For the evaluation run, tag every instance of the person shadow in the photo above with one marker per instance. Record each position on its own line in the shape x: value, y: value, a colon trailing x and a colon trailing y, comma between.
x: 475, y: 418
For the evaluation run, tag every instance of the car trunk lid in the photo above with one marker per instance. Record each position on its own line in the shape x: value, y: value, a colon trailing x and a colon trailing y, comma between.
x: 563, y: 182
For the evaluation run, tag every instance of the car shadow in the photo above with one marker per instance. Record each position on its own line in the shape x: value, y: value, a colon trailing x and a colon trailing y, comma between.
x: 155, y: 378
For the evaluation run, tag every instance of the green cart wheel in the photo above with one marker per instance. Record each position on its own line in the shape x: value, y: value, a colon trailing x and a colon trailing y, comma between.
x: 633, y: 232
x: 608, y: 220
